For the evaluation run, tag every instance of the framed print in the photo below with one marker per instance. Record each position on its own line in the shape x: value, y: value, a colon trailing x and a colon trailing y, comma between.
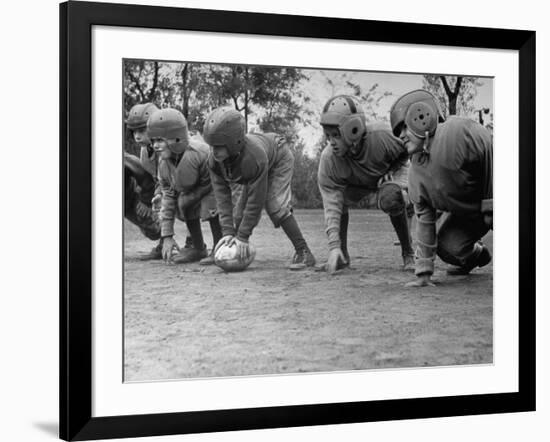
x: 180, y: 126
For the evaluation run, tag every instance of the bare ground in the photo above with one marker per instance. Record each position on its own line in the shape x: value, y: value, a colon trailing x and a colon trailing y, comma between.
x: 191, y: 321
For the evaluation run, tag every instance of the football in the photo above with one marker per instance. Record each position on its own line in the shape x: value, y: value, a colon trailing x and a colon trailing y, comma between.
x: 226, y: 258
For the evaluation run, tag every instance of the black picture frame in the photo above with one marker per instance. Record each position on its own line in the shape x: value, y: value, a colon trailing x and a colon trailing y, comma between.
x: 76, y: 21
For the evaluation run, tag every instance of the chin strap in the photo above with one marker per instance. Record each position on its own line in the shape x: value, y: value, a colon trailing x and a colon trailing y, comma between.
x: 425, y: 152
x: 426, y: 142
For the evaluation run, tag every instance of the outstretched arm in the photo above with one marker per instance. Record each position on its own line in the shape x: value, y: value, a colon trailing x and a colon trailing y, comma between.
x: 332, y: 194
x: 256, y: 189
x: 222, y: 193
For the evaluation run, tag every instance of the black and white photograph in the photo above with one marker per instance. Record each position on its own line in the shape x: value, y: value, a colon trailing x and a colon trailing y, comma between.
x: 283, y: 220
x: 261, y: 221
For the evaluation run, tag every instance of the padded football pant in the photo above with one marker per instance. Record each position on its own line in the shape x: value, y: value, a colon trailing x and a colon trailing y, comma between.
x: 457, y: 237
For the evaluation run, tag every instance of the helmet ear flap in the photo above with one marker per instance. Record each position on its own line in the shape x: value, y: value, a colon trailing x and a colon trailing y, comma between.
x: 421, y: 118
x: 352, y: 128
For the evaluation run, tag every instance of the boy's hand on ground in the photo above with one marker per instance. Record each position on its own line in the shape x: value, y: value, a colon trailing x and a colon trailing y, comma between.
x: 335, y: 259
x: 168, y: 246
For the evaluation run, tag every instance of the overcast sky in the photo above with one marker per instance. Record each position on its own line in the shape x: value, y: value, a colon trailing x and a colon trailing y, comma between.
x: 399, y: 84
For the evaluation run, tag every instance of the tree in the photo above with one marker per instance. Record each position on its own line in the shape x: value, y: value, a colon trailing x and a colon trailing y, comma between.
x: 192, y: 92
x: 269, y: 98
x: 305, y: 190
x: 140, y: 82
x: 455, y: 93
x: 270, y: 94
x: 370, y: 100
x: 186, y: 86
x: 278, y: 92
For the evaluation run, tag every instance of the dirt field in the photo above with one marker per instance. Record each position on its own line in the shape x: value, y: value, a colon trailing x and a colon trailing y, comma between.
x: 192, y: 321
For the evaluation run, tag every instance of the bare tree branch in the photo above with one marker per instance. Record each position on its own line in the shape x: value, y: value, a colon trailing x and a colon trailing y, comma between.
x: 445, y: 85
x: 185, y: 92
x: 457, y: 85
x: 153, y: 89
x: 246, y: 98
x: 236, y: 102
x: 138, y: 86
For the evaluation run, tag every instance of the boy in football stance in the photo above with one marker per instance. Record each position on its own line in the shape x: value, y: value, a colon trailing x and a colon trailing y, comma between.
x: 263, y: 164
x: 186, y: 189
x: 140, y: 182
x: 451, y: 172
x: 361, y: 159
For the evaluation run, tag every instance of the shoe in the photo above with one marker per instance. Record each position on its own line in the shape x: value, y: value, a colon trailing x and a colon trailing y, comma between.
x: 302, y: 259
x: 209, y: 260
x: 482, y: 260
x: 408, y: 263
x: 190, y: 254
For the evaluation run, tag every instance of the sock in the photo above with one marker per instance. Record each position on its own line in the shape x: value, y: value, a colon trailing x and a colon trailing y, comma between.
x: 194, y: 227
x: 344, y: 222
x: 401, y: 226
x: 216, y: 230
x: 292, y: 230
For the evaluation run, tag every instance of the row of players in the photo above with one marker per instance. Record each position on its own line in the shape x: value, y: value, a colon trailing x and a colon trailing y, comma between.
x: 441, y: 168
